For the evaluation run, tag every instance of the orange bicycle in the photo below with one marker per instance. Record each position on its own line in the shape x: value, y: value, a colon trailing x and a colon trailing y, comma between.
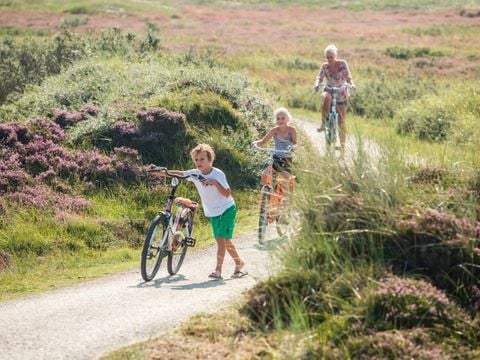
x: 272, y: 200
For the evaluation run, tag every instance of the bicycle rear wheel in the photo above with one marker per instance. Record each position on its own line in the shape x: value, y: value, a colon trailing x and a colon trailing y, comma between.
x: 153, y: 251
x: 263, y: 216
x: 179, y: 243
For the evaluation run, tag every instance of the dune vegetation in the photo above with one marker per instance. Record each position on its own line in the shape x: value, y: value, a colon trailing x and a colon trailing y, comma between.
x: 386, y: 259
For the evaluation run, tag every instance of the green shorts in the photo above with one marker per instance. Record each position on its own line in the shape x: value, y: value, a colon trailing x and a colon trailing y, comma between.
x: 224, y: 224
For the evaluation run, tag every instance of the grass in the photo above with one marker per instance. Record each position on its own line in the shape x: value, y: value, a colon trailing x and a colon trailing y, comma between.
x: 10, y: 31
x: 34, y: 274
x: 105, y: 241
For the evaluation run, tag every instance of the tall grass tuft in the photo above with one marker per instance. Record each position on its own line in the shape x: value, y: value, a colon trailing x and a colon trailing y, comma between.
x: 337, y: 272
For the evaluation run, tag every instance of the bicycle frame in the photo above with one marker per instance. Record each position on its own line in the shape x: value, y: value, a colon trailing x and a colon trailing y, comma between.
x: 272, y: 197
x: 267, y: 181
x: 331, y: 124
x: 174, y: 230
x: 171, y: 222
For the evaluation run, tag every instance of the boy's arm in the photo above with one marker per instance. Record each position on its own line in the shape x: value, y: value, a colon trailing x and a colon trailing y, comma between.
x: 225, y: 192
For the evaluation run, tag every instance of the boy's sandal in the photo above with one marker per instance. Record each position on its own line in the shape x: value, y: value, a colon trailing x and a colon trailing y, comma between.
x: 238, y: 274
x: 215, y: 275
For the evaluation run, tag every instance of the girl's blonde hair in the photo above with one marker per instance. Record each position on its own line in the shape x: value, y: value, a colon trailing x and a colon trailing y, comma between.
x: 283, y: 111
x: 331, y: 49
x: 203, y: 147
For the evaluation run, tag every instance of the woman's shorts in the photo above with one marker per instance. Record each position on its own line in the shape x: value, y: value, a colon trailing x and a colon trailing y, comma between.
x: 282, y: 164
x: 223, y: 225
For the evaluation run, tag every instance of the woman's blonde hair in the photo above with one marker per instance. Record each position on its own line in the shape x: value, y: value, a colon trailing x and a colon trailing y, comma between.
x: 331, y: 49
x: 283, y: 111
x: 203, y: 147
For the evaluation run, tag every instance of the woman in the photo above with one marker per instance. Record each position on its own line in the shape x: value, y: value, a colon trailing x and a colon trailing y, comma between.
x: 337, y: 73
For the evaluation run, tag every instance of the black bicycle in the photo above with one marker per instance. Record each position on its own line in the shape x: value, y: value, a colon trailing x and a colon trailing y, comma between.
x: 170, y: 233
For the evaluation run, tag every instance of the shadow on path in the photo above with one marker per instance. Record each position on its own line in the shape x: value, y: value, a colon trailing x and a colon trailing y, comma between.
x: 159, y: 282
x: 200, y: 285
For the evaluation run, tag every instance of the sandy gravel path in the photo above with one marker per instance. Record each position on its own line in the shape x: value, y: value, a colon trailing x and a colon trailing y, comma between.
x: 87, y: 320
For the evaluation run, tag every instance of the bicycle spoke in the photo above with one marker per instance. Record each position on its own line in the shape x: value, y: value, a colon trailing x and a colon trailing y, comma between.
x: 179, y: 243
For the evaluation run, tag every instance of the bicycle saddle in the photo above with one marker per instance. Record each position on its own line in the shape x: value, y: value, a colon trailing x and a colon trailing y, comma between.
x: 186, y: 202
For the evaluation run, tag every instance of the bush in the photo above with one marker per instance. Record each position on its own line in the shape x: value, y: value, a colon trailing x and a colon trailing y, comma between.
x: 405, y: 54
x: 271, y: 301
x: 416, y: 344
x: 297, y: 63
x: 30, y: 62
x: 93, y: 235
x: 400, y: 303
x: 206, y: 110
x: 450, y: 115
x: 378, y: 97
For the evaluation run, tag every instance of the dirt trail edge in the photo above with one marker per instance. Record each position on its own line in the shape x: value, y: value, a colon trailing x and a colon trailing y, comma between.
x: 88, y: 320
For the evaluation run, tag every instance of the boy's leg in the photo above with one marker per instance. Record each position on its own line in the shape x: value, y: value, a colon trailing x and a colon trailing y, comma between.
x: 234, y: 254
x: 220, y: 254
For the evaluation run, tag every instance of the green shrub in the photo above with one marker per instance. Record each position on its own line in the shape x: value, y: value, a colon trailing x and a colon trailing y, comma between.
x: 206, y: 110
x: 93, y: 235
x: 378, y: 97
x: 297, y: 63
x: 270, y: 301
x: 31, y: 61
x: 401, y: 303
x: 451, y: 115
x: 25, y: 240
x: 413, y: 344
x: 304, y: 98
x: 405, y: 54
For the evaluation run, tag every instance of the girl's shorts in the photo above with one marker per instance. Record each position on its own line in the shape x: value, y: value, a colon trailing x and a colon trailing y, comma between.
x: 224, y: 224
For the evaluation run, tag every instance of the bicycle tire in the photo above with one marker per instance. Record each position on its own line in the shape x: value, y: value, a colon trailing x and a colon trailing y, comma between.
x: 153, y: 251
x: 177, y: 255
x: 282, y: 222
x: 263, y: 215
x: 331, y: 129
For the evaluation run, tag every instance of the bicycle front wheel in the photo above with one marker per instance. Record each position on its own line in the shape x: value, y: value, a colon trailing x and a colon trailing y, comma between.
x: 263, y: 216
x: 153, y: 251
x: 282, y: 221
x: 179, y: 243
x: 331, y: 129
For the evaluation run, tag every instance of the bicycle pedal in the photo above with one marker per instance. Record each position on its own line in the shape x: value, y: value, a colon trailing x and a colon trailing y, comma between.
x: 190, y: 241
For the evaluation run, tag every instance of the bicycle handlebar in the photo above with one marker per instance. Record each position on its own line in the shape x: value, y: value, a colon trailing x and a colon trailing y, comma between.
x: 165, y: 170
x: 272, y: 150
x: 329, y: 87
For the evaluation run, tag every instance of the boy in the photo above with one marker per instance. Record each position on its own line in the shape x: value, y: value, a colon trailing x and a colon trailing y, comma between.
x: 218, y: 205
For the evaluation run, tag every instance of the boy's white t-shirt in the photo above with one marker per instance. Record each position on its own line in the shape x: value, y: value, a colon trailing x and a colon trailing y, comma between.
x: 214, y: 203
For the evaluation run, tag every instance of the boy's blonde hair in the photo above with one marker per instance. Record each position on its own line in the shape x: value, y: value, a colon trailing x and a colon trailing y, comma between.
x: 283, y: 111
x: 203, y: 147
